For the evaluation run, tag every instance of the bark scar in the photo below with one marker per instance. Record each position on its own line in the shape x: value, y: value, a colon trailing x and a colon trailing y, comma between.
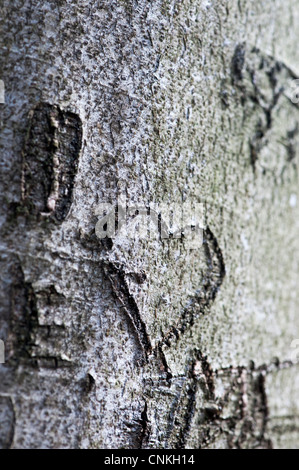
x: 199, y: 305
x: 50, y: 161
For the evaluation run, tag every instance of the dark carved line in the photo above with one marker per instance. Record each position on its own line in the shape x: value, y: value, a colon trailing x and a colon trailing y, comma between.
x: 144, y: 422
x: 212, y: 280
x: 117, y: 278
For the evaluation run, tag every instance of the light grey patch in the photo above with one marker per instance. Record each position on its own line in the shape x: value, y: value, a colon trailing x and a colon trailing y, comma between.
x: 2, y: 352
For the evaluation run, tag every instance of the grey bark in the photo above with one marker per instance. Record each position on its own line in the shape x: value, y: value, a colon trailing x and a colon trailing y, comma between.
x: 147, y: 342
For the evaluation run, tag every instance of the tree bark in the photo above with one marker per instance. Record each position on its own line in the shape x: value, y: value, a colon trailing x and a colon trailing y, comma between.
x: 149, y: 342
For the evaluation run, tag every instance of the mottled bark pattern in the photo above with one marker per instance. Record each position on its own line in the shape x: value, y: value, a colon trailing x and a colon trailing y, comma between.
x: 131, y: 342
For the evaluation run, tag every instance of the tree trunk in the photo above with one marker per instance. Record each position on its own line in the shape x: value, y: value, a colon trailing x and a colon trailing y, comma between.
x: 156, y: 341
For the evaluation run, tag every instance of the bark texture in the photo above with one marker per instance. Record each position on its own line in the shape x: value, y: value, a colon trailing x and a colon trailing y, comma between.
x: 146, y: 342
